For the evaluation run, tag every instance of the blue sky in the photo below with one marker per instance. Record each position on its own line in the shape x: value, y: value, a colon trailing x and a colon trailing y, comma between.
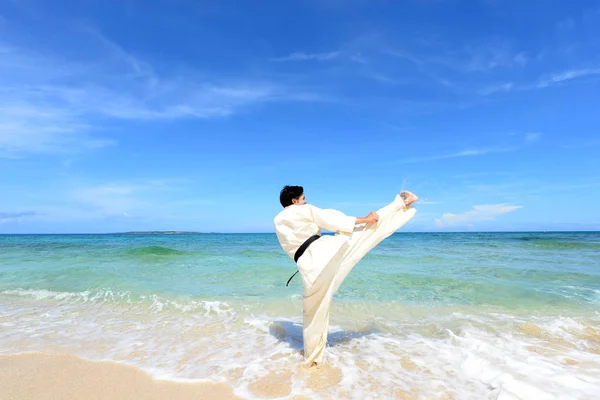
x: 192, y: 115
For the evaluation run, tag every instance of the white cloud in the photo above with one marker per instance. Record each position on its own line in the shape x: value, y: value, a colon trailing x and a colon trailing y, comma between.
x: 487, y: 212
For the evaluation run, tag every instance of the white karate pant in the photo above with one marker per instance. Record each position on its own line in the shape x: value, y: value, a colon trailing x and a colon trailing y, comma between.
x: 317, y: 297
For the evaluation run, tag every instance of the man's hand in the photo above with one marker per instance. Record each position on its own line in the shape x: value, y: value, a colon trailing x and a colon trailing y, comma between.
x: 372, y: 218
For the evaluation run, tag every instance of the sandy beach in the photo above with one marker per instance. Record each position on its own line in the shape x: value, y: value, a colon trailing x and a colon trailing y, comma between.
x: 61, y: 376
x: 43, y: 376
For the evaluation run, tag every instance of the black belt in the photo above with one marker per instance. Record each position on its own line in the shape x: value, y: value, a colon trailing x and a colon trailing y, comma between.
x: 301, y: 251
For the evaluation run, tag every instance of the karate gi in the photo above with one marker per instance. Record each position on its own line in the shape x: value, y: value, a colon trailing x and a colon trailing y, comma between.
x: 327, y: 261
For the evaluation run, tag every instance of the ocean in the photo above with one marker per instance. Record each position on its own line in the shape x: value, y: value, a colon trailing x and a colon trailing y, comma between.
x: 423, y: 316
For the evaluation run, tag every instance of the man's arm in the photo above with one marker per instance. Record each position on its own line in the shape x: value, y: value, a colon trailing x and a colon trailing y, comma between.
x: 336, y: 221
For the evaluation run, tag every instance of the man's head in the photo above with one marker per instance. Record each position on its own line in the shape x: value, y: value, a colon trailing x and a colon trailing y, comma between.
x: 292, y: 195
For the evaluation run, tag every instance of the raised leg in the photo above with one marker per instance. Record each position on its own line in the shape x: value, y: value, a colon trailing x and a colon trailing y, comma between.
x: 391, y: 218
x: 317, y: 299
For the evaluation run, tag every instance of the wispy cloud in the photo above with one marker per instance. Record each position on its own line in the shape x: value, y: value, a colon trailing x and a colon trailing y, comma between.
x: 407, y: 55
x: 527, y: 138
x: 151, y: 198
x: 120, y: 199
x: 497, y: 88
x: 301, y: 56
x: 467, y: 59
x: 497, y: 188
x: 26, y: 128
x: 479, y: 213
x: 109, y: 199
x: 524, y: 139
x: 383, y: 78
x: 450, y: 65
x: 463, y: 153
x: 566, y: 24
x: 15, y: 217
x: 338, y: 55
x: 484, y: 58
x: 422, y: 63
x: 359, y: 58
x: 542, y: 83
x: 568, y: 75
x: 532, y: 137
x: 149, y: 201
x: 47, y: 103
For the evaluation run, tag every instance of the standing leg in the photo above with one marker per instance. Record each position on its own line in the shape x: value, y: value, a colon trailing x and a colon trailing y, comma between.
x: 316, y: 303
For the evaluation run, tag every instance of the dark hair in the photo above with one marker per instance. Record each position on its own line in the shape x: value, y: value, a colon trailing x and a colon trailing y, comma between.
x: 288, y: 193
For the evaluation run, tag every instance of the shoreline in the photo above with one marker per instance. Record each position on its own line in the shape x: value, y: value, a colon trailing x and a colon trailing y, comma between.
x: 67, y: 376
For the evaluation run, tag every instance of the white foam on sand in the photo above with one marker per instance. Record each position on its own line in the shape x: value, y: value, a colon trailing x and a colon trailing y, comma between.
x: 463, y: 354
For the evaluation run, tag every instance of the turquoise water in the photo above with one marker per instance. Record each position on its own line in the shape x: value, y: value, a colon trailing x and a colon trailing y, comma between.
x: 529, y: 271
x: 204, y: 306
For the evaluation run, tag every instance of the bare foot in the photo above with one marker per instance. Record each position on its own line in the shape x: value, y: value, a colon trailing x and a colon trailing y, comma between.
x: 408, y: 197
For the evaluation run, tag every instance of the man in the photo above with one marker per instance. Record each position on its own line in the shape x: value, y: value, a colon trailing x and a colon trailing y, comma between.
x: 325, y: 261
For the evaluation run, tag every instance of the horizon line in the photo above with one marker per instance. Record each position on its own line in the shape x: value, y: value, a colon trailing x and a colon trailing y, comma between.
x: 265, y: 233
